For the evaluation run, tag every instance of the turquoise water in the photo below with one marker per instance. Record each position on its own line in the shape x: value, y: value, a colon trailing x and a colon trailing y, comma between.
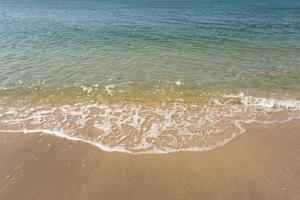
x: 148, y: 76
x: 145, y: 47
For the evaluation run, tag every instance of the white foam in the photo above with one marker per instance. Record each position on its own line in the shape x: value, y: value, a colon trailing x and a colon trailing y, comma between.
x: 61, y: 134
x: 145, y: 145
x: 267, y: 102
x: 109, y: 90
x: 145, y: 127
x: 87, y: 89
x: 178, y: 83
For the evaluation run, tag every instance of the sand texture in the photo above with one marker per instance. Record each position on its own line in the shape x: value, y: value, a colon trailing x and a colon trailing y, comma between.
x: 263, y: 163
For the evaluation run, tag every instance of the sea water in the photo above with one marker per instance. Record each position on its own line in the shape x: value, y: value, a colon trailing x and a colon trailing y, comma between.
x: 148, y: 76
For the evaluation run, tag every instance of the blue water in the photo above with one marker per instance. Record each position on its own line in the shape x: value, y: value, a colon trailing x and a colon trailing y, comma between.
x: 139, y: 46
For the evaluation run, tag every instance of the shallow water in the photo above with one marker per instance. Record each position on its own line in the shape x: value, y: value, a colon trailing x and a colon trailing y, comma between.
x: 189, y: 71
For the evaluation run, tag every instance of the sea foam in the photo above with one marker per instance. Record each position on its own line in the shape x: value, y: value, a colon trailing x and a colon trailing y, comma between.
x: 159, y: 128
x: 267, y: 102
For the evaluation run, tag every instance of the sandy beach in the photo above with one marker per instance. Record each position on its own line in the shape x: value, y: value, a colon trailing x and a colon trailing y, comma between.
x: 149, y: 100
x: 263, y: 163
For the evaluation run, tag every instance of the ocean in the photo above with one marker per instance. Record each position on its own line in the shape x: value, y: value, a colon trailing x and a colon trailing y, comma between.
x: 148, y: 76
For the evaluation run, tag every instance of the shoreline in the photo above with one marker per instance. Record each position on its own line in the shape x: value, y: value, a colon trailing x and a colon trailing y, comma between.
x: 263, y: 163
x: 148, y: 128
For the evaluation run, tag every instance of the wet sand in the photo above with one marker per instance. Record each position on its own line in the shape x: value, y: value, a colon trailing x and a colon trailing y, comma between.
x: 263, y: 163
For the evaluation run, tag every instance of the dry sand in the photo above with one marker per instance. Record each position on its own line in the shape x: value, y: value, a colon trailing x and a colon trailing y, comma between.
x: 264, y: 163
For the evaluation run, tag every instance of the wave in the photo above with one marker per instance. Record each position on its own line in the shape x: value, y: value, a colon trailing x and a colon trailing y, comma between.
x: 142, y: 128
x: 267, y: 102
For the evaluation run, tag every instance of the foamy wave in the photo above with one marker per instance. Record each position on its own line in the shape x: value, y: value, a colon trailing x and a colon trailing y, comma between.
x: 61, y: 134
x: 140, y: 128
x: 267, y: 102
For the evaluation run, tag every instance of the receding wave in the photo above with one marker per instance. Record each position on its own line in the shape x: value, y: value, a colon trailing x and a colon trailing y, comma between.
x: 162, y: 127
